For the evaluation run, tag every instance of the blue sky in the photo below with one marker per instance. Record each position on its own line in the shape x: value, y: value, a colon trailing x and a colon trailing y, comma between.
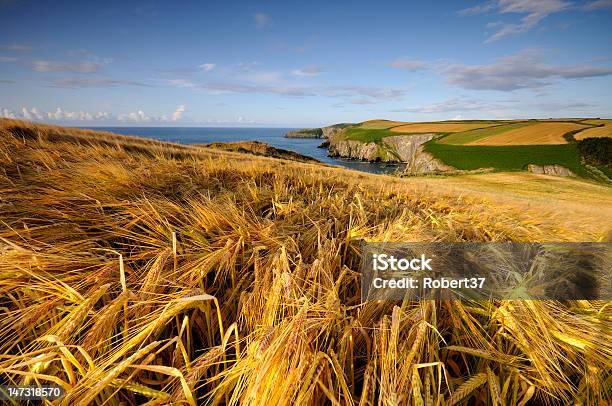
x: 267, y: 63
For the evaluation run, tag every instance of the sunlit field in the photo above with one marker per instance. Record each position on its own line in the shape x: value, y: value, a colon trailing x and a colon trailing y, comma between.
x: 144, y: 272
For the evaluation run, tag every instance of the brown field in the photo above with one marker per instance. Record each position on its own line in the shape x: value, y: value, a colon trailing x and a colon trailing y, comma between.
x: 536, y: 134
x: 141, y: 272
x: 605, y: 131
x: 597, y: 121
x: 440, y: 127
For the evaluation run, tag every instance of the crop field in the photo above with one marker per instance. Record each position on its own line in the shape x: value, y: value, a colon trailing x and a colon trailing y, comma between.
x: 604, y: 131
x: 440, y: 127
x: 141, y: 272
x: 538, y: 133
x: 466, y: 137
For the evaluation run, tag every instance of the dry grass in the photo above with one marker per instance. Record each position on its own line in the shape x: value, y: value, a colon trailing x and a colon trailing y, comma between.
x: 603, y: 131
x: 134, y: 271
x: 441, y: 127
x: 536, y: 134
x: 548, y: 197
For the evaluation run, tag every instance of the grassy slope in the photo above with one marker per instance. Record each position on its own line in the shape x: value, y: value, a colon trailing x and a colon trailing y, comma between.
x: 276, y: 244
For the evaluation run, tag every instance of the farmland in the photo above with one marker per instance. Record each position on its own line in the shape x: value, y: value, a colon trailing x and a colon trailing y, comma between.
x: 540, y: 133
x: 441, y: 127
x: 605, y: 130
x: 505, y: 145
x: 137, y: 271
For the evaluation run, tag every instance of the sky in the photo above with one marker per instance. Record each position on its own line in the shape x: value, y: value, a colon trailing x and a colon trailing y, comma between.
x: 301, y: 64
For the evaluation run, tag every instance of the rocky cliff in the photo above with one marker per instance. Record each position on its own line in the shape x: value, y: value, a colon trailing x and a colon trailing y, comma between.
x: 399, y: 148
x: 332, y: 130
x: 353, y: 149
x: 556, y: 170
x: 305, y: 133
x: 324, y: 132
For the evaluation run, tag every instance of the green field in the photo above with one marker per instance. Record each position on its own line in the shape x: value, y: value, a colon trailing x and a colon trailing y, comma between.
x: 507, y: 158
x: 368, y: 134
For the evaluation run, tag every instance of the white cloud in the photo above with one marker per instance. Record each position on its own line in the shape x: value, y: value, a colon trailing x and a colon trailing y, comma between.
x: 598, y: 5
x: 8, y: 59
x: 262, y: 77
x: 60, y: 114
x: 533, y: 11
x: 523, y: 70
x: 57, y: 115
x: 137, y: 117
x: 262, y: 20
x: 248, y: 66
x: 461, y: 108
x: 348, y: 91
x: 16, y: 47
x: 63, y: 115
x: 178, y: 113
x: 79, y: 82
x: 6, y: 113
x: 140, y: 116
x: 308, y: 71
x: 207, y: 67
x: 182, y: 83
x: 408, y: 64
x: 75, y: 67
x: 456, y: 104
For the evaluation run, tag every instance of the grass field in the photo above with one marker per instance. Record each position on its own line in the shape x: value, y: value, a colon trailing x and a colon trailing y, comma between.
x: 141, y: 272
x: 507, y: 158
x: 367, y: 134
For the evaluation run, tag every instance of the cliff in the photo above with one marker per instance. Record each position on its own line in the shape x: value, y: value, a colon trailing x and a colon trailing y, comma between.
x: 556, y: 170
x: 305, y: 133
x: 324, y: 132
x: 399, y: 148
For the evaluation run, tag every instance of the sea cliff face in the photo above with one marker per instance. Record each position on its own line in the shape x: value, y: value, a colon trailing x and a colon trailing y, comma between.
x: 353, y: 149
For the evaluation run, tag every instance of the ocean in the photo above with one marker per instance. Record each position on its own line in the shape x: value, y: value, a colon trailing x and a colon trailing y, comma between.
x: 272, y: 136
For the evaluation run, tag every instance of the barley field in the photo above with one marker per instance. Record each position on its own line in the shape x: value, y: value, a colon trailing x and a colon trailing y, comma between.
x: 539, y: 133
x: 440, y: 127
x: 141, y: 272
x: 603, y: 131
